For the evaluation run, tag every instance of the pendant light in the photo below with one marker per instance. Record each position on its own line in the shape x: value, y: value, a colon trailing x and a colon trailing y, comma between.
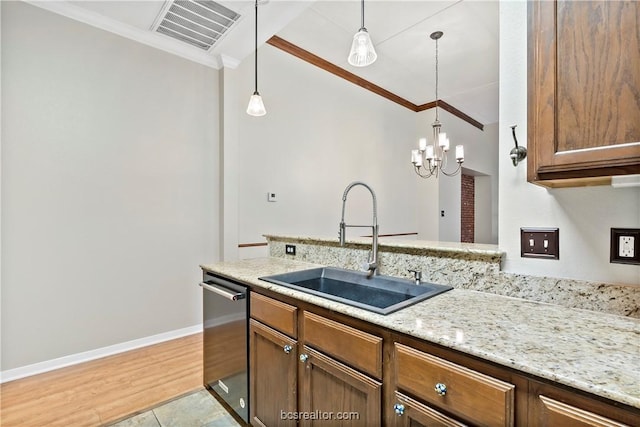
x: 430, y: 159
x: 256, y: 106
x: 362, y: 52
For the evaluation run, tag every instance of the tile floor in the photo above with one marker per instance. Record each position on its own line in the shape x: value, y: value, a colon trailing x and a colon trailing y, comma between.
x: 198, y: 409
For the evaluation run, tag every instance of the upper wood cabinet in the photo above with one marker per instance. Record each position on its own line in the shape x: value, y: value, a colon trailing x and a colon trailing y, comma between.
x: 583, y: 91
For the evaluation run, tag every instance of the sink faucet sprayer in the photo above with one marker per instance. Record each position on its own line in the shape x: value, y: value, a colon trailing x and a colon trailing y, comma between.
x: 372, y: 264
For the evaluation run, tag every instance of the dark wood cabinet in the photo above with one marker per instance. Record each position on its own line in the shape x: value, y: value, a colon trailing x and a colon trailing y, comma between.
x: 316, y: 378
x: 273, y: 376
x: 583, y: 91
x: 554, y: 406
x: 330, y: 369
x: 336, y: 394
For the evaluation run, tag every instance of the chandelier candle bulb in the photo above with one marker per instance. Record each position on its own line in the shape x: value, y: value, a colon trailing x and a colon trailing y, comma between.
x: 459, y: 152
x: 415, y: 155
x: 443, y: 142
x: 429, y: 152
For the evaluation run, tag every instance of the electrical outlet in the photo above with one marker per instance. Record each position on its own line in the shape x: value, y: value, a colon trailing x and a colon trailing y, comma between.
x: 625, y: 246
x: 290, y: 249
x: 272, y: 197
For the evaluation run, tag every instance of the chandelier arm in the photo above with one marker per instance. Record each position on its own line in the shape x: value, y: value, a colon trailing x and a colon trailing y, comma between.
x: 417, y: 171
x: 454, y: 173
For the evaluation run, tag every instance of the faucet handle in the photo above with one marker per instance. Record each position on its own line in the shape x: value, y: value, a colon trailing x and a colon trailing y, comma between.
x: 417, y: 275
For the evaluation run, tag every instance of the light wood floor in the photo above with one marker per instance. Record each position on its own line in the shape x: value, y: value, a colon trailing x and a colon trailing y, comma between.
x: 104, y: 390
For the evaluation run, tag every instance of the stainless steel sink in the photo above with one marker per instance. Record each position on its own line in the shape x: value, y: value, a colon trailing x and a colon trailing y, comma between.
x: 379, y: 294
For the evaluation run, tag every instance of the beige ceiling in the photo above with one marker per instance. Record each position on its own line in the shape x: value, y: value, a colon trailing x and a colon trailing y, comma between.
x: 468, y: 51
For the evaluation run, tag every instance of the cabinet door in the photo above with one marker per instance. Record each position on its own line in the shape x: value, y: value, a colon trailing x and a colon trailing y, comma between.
x: 583, y: 91
x: 273, y: 367
x: 411, y: 413
x: 551, y: 406
x: 332, y: 393
x: 554, y: 413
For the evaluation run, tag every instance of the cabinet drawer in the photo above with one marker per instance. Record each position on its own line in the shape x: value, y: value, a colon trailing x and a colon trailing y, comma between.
x: 278, y: 315
x: 475, y: 397
x: 359, y: 349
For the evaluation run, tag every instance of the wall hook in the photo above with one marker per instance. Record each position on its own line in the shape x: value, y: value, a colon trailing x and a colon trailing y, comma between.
x: 518, y: 153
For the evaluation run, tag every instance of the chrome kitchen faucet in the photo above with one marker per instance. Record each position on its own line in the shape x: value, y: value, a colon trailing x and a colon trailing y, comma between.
x: 372, y: 262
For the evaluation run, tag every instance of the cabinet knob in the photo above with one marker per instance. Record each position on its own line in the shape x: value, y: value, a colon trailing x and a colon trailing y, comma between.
x: 287, y: 348
x: 304, y: 357
x: 398, y: 409
x: 441, y: 389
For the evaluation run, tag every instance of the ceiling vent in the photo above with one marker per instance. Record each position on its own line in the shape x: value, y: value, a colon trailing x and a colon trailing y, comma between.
x: 201, y: 23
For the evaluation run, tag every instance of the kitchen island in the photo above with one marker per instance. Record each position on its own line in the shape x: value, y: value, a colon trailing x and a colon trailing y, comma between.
x: 587, y: 351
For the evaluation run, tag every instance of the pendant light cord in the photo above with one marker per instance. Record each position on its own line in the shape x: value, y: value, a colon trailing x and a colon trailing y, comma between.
x: 362, y: 15
x: 436, y: 79
x: 256, y: 51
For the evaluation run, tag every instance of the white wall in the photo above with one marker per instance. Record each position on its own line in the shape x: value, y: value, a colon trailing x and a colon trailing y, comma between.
x: 321, y: 133
x: 481, y: 158
x: 317, y: 138
x: 109, y: 187
x: 583, y: 215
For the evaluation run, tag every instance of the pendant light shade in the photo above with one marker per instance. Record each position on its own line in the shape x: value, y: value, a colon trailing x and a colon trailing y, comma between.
x: 362, y: 51
x: 256, y: 106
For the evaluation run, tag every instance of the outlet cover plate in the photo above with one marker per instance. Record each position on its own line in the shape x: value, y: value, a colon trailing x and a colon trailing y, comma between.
x: 625, y: 246
x: 540, y: 243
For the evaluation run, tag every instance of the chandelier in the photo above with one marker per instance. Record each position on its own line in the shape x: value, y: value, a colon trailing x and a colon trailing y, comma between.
x: 431, y: 159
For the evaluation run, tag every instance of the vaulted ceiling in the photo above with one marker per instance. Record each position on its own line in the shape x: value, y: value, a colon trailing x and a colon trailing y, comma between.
x: 468, y: 51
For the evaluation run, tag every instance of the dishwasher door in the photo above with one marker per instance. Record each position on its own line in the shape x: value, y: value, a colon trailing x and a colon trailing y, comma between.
x: 225, y: 347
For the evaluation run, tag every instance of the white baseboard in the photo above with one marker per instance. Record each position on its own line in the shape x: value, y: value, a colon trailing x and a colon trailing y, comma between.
x: 74, y: 359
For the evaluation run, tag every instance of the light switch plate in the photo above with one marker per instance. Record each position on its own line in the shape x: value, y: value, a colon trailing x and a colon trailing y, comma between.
x: 625, y: 246
x: 540, y: 243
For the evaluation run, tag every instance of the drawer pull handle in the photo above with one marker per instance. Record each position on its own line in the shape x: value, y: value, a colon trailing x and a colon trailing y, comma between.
x: 399, y: 409
x: 441, y: 389
x: 304, y: 357
x: 287, y: 348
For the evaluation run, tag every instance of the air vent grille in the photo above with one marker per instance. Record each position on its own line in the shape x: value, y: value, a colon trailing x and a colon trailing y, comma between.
x: 200, y: 23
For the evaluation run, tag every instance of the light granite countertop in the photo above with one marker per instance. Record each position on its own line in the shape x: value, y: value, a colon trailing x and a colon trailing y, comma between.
x: 422, y: 247
x: 594, y: 352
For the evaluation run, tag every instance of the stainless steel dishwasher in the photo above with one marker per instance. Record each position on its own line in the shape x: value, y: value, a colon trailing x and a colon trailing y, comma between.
x: 225, y: 348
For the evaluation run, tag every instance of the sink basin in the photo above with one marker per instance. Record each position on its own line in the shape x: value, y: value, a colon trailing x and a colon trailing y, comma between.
x: 379, y: 294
